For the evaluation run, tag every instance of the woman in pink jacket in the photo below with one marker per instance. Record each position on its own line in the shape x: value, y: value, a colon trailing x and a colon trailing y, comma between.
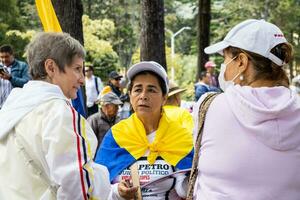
x: 252, y: 150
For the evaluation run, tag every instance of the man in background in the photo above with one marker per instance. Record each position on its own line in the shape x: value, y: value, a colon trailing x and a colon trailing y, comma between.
x: 203, y: 85
x: 93, y: 86
x: 113, y: 84
x: 107, y: 115
x: 13, y: 73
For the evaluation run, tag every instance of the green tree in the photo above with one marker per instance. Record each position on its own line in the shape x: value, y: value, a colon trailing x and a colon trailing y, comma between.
x: 97, y: 36
x: 10, y: 20
x: 284, y: 13
x: 125, y: 15
x: 29, y: 15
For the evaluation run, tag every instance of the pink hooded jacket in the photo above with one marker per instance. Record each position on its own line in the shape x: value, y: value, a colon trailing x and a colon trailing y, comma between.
x: 250, y: 146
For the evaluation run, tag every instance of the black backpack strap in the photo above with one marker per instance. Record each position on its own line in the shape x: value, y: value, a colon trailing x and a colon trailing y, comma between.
x: 96, y: 84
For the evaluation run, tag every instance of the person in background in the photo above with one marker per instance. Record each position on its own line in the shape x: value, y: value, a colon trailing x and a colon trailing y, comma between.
x: 44, y: 143
x: 148, y: 139
x: 254, y: 125
x: 173, y: 109
x: 213, y: 78
x: 103, y: 120
x: 125, y: 110
x: 203, y: 86
x: 13, y: 73
x: 296, y: 84
x: 93, y: 87
x: 113, y: 84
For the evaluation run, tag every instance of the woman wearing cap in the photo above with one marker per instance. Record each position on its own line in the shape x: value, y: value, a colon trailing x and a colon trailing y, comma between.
x: 251, y: 150
x: 148, y: 139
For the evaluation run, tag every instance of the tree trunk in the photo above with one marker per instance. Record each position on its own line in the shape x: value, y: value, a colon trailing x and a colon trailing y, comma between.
x: 69, y: 14
x: 203, y: 34
x: 153, y: 33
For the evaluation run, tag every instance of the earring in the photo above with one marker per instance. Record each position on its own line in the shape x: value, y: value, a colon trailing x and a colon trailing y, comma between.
x: 241, y: 77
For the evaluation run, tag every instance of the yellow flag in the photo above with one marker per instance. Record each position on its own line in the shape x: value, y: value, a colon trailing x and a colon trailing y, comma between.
x: 47, y: 15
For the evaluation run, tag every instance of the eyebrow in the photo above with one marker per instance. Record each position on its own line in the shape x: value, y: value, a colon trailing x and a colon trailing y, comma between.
x: 77, y: 65
x: 148, y: 86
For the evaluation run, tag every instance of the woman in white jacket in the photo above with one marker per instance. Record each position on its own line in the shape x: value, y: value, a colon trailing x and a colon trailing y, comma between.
x: 252, y: 150
x: 46, y: 147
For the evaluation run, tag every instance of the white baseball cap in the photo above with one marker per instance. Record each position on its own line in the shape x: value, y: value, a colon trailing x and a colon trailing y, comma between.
x: 257, y: 36
x: 149, y: 66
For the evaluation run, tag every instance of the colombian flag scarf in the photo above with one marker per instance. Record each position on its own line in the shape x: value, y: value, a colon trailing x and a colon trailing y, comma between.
x: 127, y: 141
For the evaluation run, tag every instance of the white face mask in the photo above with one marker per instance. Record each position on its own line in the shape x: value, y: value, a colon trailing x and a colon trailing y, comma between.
x: 223, y: 83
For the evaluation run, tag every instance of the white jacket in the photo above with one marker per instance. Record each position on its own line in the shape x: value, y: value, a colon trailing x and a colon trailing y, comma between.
x: 42, y: 135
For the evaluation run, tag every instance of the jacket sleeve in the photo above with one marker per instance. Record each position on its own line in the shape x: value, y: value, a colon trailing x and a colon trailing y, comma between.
x: 69, y: 146
x: 17, y: 81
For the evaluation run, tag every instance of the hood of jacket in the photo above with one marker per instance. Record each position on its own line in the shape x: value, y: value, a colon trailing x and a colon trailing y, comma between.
x: 272, y: 114
x: 23, y: 100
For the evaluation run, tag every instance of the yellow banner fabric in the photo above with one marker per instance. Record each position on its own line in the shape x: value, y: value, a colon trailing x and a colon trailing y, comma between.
x: 47, y: 15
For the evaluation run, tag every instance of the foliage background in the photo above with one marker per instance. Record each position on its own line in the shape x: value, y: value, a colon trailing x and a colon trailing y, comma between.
x: 112, y: 30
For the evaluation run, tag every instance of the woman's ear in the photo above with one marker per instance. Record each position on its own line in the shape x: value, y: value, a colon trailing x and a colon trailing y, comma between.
x: 50, y: 67
x: 243, y: 62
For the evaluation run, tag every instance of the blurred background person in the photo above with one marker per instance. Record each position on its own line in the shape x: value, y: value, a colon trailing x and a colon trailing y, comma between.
x: 113, y: 84
x: 13, y: 73
x: 203, y: 86
x: 254, y: 124
x: 213, y: 77
x: 296, y: 84
x: 173, y: 109
x: 148, y: 139
x: 107, y: 115
x: 93, y: 87
x: 125, y: 109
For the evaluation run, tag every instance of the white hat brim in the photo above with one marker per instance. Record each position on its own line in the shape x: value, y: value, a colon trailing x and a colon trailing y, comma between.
x: 216, y: 48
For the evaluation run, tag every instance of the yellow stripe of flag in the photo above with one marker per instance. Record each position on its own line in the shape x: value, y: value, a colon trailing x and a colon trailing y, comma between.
x: 47, y: 15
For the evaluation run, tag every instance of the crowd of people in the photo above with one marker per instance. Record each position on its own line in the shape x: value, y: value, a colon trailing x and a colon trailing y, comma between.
x: 241, y: 140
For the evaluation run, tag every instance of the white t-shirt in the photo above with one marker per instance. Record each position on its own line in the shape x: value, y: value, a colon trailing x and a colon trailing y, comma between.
x: 91, y: 91
x: 147, y: 172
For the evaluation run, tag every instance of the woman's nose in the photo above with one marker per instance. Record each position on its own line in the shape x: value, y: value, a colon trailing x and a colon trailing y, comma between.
x: 81, y: 79
x: 143, y: 96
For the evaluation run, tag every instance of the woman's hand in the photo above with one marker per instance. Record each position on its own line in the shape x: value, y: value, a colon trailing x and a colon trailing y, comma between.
x: 126, y: 191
